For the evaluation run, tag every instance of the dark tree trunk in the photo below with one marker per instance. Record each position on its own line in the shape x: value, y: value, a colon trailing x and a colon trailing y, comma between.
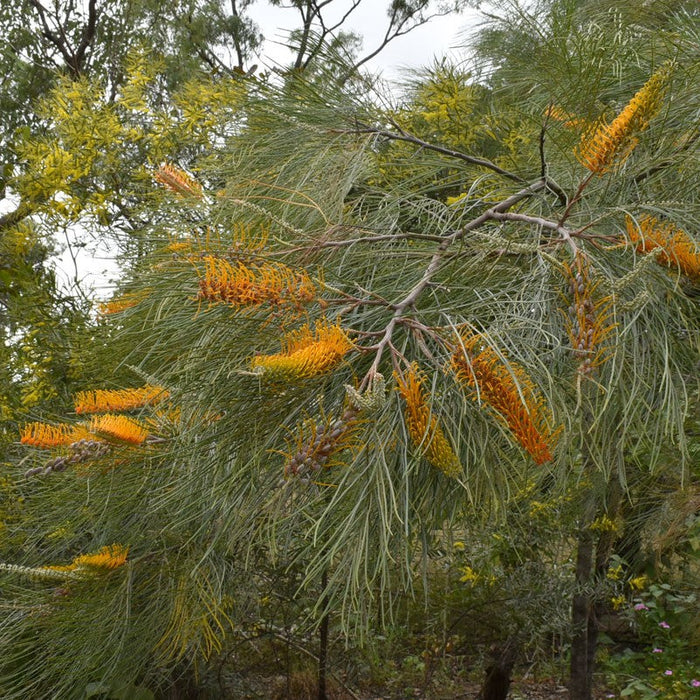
x: 582, y: 620
x: 498, y: 673
x: 323, y: 641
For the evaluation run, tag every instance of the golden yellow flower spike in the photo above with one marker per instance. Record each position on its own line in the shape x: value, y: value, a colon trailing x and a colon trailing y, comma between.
x: 588, y: 316
x: 119, y: 427
x: 305, y: 354
x: 423, y: 426
x: 242, y: 285
x: 105, y: 400
x: 106, y: 559
x: 608, y: 145
x: 508, y: 391
x: 48, y: 436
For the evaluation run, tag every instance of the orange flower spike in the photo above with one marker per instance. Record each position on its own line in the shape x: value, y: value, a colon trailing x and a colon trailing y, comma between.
x: 606, y: 144
x: 252, y: 286
x: 110, y: 557
x: 673, y: 246
x: 105, y: 400
x: 305, y: 353
x: 119, y: 428
x: 508, y: 391
x: 48, y: 436
x: 587, y: 318
x: 423, y: 427
x: 178, y: 181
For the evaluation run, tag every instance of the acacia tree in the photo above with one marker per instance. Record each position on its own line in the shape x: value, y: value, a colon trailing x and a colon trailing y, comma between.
x: 340, y: 361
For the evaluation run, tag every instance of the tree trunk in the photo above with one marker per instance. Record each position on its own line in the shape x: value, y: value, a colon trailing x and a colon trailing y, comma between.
x: 323, y: 641
x: 583, y: 620
x: 498, y: 673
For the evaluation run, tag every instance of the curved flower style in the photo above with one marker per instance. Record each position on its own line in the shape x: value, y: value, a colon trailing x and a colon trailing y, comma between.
x: 423, y: 426
x: 305, y: 354
x: 508, y: 391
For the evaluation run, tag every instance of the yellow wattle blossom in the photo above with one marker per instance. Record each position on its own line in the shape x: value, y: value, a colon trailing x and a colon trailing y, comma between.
x: 508, y: 391
x: 119, y: 427
x: 178, y: 181
x: 604, y: 524
x: 588, y: 316
x: 243, y: 285
x: 48, y: 436
x: 673, y: 246
x: 607, y: 145
x: 107, y: 558
x: 305, y: 353
x: 423, y: 426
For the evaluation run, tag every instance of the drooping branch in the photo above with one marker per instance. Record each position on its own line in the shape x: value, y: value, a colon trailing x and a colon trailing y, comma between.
x: 434, y: 265
x: 403, y: 135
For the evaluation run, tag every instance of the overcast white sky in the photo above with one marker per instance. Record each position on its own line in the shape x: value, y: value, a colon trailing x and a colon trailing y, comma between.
x: 94, y: 265
x: 417, y: 48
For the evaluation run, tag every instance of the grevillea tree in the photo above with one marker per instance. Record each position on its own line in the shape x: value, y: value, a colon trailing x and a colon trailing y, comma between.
x: 349, y: 337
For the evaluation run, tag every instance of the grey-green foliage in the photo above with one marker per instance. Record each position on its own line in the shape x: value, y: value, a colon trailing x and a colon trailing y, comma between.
x: 207, y: 510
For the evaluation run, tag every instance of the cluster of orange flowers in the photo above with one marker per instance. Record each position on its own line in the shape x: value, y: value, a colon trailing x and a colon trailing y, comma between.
x: 588, y: 316
x: 105, y: 400
x: 609, y: 144
x: 305, y: 353
x: 508, y: 391
x: 673, y: 246
x: 423, y: 426
x: 48, y: 436
x: 178, y: 181
x: 243, y: 285
x: 119, y: 304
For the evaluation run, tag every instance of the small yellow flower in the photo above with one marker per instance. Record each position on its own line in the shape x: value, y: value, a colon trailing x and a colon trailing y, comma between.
x: 618, y: 602
x: 639, y: 583
x: 458, y: 546
x: 614, y: 573
x: 604, y: 524
x: 468, y: 575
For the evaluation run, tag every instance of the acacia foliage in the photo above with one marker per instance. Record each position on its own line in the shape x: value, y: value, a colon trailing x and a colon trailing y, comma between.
x: 276, y: 304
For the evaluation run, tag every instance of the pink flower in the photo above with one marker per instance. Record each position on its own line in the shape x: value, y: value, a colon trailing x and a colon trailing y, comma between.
x: 657, y: 651
x: 668, y: 672
x: 664, y: 625
x: 640, y: 606
x: 695, y: 683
